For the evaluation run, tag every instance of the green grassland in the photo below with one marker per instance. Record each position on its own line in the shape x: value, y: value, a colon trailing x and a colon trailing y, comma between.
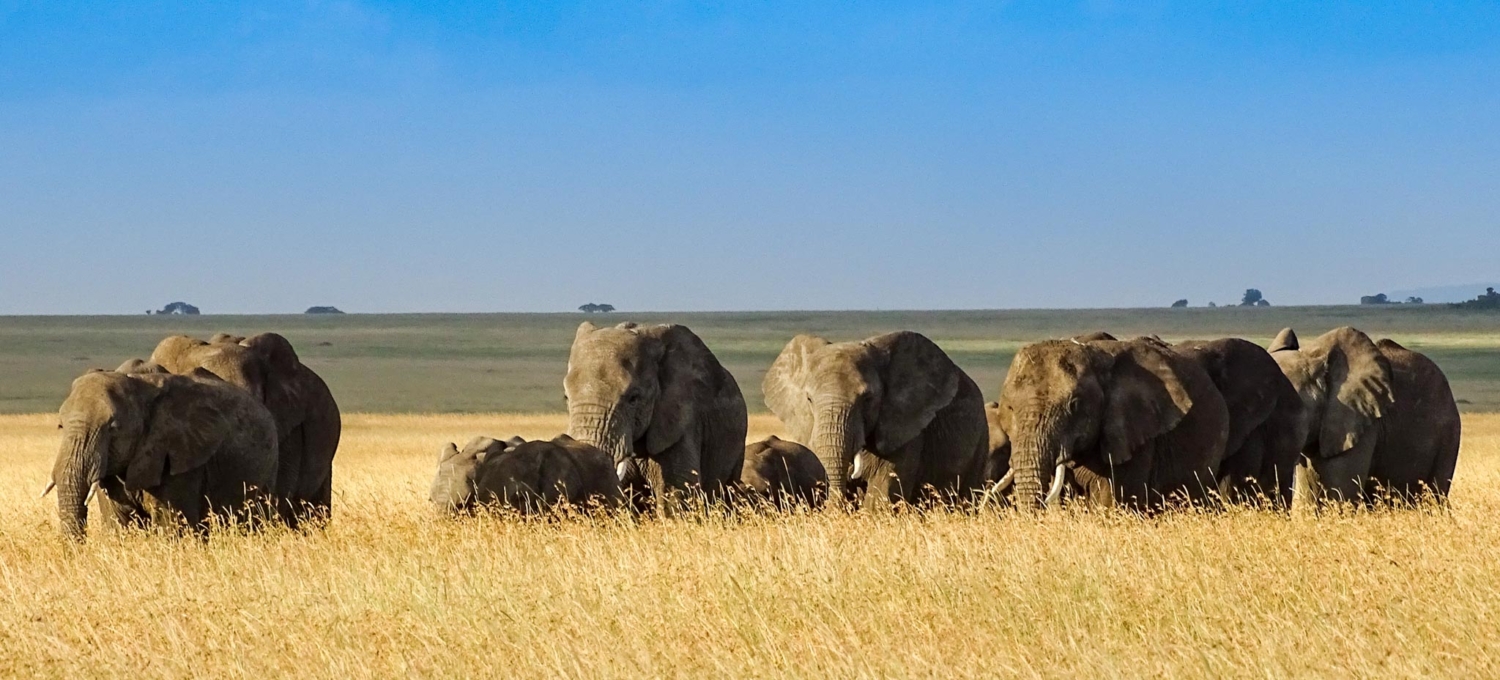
x: 515, y: 362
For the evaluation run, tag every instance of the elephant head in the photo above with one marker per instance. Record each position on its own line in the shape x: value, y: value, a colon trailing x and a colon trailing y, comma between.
x: 180, y: 354
x: 1344, y: 382
x: 135, y: 426
x: 631, y: 390
x: 850, y: 400
x: 1064, y: 401
x: 453, y: 489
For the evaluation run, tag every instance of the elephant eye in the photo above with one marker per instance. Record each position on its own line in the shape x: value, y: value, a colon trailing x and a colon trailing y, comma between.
x: 633, y: 396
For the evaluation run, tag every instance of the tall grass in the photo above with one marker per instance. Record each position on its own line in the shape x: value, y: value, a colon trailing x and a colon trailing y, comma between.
x: 390, y: 590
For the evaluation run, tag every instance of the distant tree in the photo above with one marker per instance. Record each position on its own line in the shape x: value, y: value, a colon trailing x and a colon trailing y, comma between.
x: 1179, y: 304
x: 1262, y: 303
x: 1489, y: 300
x: 1376, y: 299
x: 1415, y: 301
x: 592, y: 308
x: 323, y: 310
x: 178, y: 308
x: 1212, y: 304
x: 1252, y: 298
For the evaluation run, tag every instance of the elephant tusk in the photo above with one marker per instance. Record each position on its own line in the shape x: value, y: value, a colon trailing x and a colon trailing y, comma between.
x: 1006, y: 481
x: 50, y: 487
x: 859, y: 465
x: 621, y: 468
x: 1057, y: 485
x: 92, y: 490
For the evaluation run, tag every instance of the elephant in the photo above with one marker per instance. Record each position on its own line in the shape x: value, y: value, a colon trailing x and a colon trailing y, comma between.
x: 308, y: 421
x: 892, y: 411
x: 660, y: 404
x: 784, y: 473
x: 1133, y: 423
x: 997, y: 463
x: 529, y: 477
x: 1377, y: 417
x: 167, y: 450
x: 1266, y: 425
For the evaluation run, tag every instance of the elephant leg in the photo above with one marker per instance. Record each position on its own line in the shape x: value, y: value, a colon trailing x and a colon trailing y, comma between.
x: 1342, y: 478
x: 893, y: 479
x: 117, y: 504
x: 677, y: 479
x: 289, y: 495
x: 1240, y: 478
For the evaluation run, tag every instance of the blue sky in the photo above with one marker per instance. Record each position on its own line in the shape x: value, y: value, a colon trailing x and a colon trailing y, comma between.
x: 663, y: 155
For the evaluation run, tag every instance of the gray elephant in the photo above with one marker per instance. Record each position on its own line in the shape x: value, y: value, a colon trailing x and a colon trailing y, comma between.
x: 1128, y: 423
x: 308, y: 421
x: 784, y: 474
x: 529, y: 477
x: 1377, y: 415
x: 892, y: 411
x: 1266, y: 427
x: 167, y: 450
x: 658, y: 401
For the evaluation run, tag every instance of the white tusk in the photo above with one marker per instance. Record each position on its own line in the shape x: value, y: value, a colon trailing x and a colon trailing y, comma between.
x: 92, y: 490
x: 50, y: 487
x: 1006, y: 481
x: 859, y: 465
x: 620, y: 469
x: 1057, y: 485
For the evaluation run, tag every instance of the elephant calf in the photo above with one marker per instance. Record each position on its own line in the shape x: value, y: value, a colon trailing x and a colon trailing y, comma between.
x: 530, y: 477
x: 784, y: 473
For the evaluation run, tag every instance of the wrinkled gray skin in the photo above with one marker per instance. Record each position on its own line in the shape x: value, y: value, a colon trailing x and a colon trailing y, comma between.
x: 308, y: 421
x: 892, y: 411
x: 1127, y: 423
x: 658, y: 401
x: 166, y: 450
x: 529, y: 477
x: 1377, y: 416
x: 784, y: 473
x: 1266, y: 427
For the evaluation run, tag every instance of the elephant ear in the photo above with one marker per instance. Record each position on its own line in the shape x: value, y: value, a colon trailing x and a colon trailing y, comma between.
x: 1358, y: 381
x: 918, y: 381
x: 785, y: 385
x: 281, y: 378
x: 1146, y: 399
x: 277, y: 350
x: 1285, y: 340
x: 687, y: 374
x: 186, y: 423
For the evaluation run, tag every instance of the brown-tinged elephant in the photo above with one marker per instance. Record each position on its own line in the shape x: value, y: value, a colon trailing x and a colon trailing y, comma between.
x: 997, y: 462
x: 308, y: 421
x: 167, y: 450
x: 1266, y: 428
x: 1378, y: 416
x: 658, y: 401
x: 892, y: 411
x: 784, y: 473
x: 1129, y: 423
x: 529, y: 477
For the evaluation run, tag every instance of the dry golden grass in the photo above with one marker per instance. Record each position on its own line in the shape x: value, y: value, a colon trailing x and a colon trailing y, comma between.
x: 388, y: 590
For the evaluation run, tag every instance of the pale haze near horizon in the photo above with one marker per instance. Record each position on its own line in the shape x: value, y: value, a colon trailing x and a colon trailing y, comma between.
x: 382, y: 157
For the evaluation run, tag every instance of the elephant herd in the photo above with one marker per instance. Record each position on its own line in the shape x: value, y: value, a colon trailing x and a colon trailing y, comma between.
x: 239, y: 428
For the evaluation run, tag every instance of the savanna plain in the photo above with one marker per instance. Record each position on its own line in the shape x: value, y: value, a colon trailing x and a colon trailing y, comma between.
x: 389, y: 589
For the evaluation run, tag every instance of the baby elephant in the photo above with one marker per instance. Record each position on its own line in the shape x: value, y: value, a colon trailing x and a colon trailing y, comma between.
x: 784, y: 473
x: 530, y: 477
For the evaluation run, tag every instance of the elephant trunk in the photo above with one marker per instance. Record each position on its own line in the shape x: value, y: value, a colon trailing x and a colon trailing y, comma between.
x: 835, y: 440
x: 604, y: 427
x: 1036, y: 449
x: 74, y: 474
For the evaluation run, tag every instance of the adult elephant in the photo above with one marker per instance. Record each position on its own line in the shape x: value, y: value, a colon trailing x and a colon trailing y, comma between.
x: 1266, y: 427
x: 1378, y: 416
x: 1131, y: 423
x: 167, y: 450
x: 892, y: 411
x: 661, y: 405
x: 308, y: 422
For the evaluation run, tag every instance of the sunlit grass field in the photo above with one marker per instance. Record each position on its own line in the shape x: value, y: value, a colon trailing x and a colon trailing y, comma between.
x: 388, y: 590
